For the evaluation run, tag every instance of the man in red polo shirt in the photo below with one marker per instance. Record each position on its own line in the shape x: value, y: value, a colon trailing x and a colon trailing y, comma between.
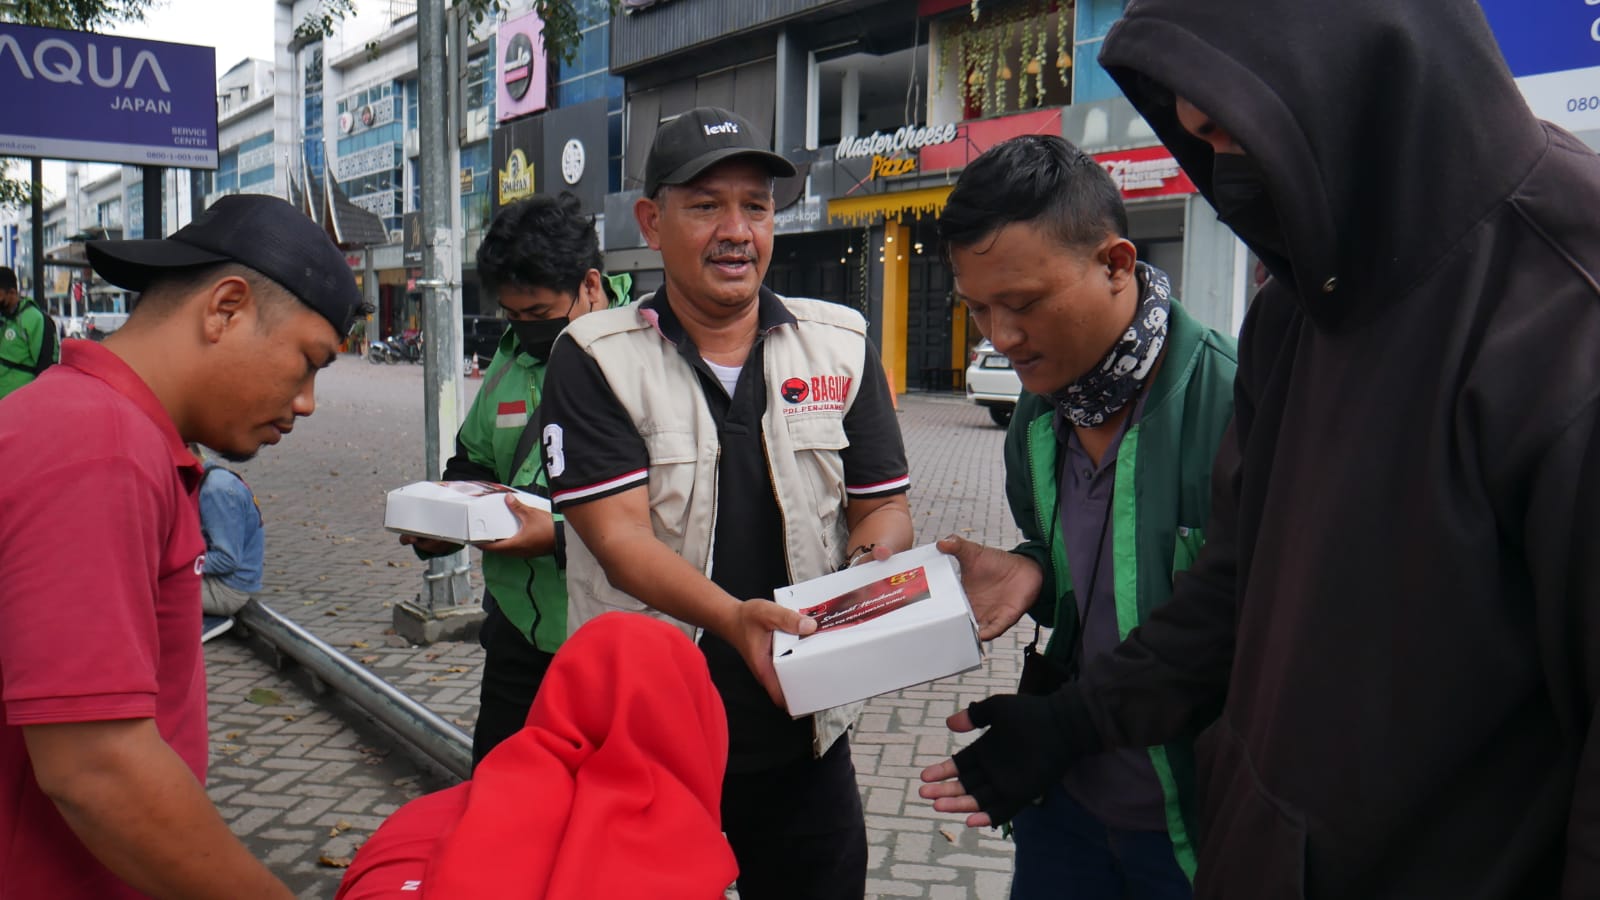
x: 103, y: 743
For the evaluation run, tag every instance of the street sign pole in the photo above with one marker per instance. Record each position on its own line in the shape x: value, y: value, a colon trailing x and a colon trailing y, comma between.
x: 446, y: 609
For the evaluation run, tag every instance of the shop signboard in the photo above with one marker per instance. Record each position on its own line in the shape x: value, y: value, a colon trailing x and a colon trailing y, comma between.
x: 519, y: 171
x: 411, y: 252
x: 357, y: 118
x: 1553, y: 50
x: 96, y: 97
x: 1145, y: 172
x: 885, y: 161
x: 521, y: 73
x: 801, y: 216
x: 575, y: 153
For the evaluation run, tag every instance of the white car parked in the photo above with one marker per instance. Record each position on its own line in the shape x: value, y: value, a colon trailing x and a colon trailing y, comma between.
x: 992, y: 383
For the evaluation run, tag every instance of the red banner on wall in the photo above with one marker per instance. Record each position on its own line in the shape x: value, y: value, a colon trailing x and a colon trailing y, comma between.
x: 1145, y: 172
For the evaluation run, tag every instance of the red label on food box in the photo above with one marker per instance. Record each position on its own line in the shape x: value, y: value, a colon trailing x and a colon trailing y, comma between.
x: 870, y: 600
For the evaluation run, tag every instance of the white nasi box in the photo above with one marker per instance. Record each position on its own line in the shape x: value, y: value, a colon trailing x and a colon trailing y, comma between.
x: 881, y: 626
x: 465, y: 512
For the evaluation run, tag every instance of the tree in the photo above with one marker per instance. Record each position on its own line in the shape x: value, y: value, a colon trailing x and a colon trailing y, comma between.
x: 563, y: 19
x: 79, y: 15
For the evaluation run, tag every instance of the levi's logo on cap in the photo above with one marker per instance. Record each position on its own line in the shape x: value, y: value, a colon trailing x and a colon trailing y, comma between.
x: 724, y: 128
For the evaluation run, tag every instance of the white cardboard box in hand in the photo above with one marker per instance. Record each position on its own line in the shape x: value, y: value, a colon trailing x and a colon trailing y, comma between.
x: 882, y: 626
x: 463, y: 512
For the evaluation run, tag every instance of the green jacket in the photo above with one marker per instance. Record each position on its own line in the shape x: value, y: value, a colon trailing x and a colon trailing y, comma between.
x: 28, y: 345
x: 531, y: 593
x: 1160, y: 503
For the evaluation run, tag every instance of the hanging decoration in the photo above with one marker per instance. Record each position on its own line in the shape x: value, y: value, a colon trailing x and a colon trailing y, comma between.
x: 1004, y: 49
x: 1063, y: 42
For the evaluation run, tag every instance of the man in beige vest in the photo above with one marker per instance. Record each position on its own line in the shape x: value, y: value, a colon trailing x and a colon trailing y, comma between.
x: 710, y: 444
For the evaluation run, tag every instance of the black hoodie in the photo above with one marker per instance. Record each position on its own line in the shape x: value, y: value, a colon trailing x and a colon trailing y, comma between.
x: 1398, y: 611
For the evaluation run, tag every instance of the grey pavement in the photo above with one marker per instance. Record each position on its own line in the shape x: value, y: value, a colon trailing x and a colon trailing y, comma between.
x: 304, y: 779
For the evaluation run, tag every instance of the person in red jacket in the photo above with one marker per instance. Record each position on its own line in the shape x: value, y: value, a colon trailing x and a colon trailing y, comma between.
x: 613, y: 789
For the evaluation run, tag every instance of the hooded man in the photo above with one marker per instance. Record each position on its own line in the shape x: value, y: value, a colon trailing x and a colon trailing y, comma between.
x: 1397, y: 612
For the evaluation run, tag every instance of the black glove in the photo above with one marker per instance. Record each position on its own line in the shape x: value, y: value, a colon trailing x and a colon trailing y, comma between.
x: 1029, y: 745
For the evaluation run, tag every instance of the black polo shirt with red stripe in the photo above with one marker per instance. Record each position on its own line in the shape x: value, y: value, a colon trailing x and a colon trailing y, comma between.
x: 603, y: 454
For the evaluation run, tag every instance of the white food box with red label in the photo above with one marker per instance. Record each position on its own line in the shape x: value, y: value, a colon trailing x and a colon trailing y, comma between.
x: 882, y: 626
x: 463, y: 512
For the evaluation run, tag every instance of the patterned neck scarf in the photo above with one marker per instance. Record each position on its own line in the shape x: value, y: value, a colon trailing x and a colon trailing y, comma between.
x: 1108, y: 387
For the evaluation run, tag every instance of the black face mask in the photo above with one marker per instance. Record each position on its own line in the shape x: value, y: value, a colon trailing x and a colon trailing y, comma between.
x: 537, y: 338
x: 1239, y: 192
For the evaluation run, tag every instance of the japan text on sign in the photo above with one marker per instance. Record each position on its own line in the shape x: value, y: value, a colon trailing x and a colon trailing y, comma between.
x: 96, y: 97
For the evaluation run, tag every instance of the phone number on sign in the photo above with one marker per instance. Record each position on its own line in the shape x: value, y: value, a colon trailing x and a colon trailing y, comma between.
x: 1583, y: 104
x: 175, y: 156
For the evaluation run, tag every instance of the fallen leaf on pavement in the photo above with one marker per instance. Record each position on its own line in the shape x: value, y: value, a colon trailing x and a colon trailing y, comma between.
x: 359, y: 645
x: 334, y: 862
x: 947, y: 835
x: 264, y: 697
x: 368, y: 660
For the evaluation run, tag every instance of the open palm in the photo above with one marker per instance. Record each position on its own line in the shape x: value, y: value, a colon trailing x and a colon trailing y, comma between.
x: 1000, y: 586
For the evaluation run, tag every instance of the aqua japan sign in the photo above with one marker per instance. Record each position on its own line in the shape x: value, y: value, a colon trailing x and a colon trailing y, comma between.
x: 102, y: 98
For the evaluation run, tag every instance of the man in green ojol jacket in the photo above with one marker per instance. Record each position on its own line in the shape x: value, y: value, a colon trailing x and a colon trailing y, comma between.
x: 1108, y: 459
x: 541, y: 261
x: 27, y: 336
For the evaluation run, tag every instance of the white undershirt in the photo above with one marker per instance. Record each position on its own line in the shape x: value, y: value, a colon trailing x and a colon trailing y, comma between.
x: 728, y: 375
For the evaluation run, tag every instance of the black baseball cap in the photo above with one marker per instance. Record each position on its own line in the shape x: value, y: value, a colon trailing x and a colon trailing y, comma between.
x: 701, y: 138
x: 261, y: 232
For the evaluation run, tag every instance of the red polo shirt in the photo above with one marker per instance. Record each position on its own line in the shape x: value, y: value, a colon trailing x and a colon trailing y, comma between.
x: 100, y: 555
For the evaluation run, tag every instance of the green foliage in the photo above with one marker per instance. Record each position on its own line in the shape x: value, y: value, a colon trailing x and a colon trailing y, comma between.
x: 320, y: 22
x: 78, y: 15
x: 564, y: 20
x: 13, y: 192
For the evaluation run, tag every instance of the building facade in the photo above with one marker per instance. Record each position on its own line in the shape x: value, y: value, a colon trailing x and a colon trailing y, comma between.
x: 881, y: 105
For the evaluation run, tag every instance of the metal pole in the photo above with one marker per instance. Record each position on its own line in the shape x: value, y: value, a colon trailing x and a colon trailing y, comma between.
x: 445, y: 608
x: 441, y: 741
x: 153, y: 229
x: 36, y: 234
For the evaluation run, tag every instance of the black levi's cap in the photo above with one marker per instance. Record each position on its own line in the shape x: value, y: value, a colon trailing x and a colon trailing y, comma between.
x: 264, y: 233
x: 701, y: 138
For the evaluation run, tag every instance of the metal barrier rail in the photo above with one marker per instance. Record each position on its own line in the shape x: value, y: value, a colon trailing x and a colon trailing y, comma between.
x: 439, y: 740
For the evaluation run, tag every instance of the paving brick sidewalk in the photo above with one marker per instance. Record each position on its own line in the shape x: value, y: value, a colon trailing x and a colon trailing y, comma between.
x: 302, y: 779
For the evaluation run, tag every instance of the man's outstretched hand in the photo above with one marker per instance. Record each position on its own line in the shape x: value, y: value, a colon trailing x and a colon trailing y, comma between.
x: 1030, y: 743
x: 1000, y: 586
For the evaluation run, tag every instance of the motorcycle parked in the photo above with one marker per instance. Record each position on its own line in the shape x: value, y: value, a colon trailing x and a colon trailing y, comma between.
x: 405, y: 347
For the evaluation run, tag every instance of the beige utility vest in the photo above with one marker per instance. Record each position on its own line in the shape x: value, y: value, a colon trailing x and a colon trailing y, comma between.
x: 823, y: 353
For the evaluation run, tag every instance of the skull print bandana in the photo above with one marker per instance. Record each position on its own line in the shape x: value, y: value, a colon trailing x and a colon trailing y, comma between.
x: 1106, y: 388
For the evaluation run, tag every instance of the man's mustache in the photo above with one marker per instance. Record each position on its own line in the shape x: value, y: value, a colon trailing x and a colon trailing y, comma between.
x: 740, y: 251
